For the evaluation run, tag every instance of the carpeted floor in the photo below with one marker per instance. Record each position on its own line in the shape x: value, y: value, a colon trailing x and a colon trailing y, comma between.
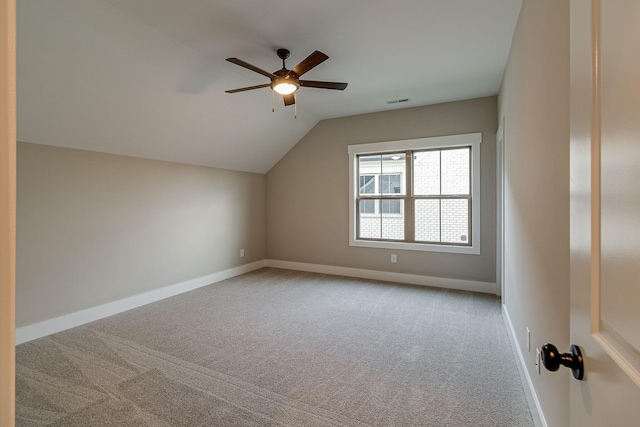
x: 277, y: 347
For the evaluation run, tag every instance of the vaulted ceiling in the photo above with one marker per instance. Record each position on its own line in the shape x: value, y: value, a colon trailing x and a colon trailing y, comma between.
x: 146, y: 78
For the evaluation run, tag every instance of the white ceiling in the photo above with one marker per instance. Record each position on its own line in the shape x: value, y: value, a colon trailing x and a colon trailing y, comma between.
x: 147, y: 77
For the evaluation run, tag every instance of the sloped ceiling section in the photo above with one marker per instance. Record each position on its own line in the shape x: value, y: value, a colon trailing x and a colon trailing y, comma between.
x: 146, y: 78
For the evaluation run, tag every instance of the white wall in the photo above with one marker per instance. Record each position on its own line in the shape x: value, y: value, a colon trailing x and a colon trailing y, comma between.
x: 95, y: 228
x: 534, y: 102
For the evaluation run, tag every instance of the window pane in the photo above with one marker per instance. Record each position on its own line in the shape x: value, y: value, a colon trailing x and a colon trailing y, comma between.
x: 393, y: 221
x: 426, y: 173
x: 368, y: 206
x: 370, y: 166
x: 391, y: 206
x: 369, y: 220
x: 367, y: 184
x: 381, y: 219
x: 455, y: 171
x: 455, y: 221
x: 390, y: 184
x: 427, y: 220
x: 393, y: 173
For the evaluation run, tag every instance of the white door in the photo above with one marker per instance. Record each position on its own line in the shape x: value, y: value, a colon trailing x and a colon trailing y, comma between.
x: 605, y: 210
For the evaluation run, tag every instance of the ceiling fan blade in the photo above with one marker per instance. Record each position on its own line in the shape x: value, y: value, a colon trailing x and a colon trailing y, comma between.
x: 323, y: 85
x: 289, y: 99
x: 242, y: 89
x: 309, y: 62
x: 248, y: 66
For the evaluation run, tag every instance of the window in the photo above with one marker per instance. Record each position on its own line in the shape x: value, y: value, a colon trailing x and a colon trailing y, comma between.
x: 421, y: 194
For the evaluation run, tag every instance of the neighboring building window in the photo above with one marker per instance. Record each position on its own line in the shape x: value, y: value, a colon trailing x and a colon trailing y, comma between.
x: 421, y: 194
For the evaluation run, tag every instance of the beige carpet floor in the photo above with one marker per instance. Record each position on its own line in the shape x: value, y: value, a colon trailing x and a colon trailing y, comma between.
x: 281, y: 348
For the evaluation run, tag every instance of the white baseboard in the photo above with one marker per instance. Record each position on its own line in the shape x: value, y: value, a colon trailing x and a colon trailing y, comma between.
x: 412, y: 279
x: 68, y: 321
x: 532, y: 397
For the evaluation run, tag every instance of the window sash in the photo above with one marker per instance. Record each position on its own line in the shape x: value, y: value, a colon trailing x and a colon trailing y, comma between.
x: 409, y: 197
x: 469, y: 223
x: 382, y: 217
x: 441, y: 150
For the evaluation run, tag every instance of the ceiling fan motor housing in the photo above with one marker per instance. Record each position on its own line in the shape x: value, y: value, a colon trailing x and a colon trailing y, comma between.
x: 283, y: 53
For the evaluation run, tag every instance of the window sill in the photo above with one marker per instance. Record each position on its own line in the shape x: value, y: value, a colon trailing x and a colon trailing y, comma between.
x: 422, y: 247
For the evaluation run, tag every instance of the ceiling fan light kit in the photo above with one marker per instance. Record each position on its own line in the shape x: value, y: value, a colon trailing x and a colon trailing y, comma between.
x: 286, y: 82
x: 284, y: 87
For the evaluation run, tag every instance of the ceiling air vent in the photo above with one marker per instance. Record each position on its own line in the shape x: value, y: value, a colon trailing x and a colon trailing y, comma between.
x: 398, y: 101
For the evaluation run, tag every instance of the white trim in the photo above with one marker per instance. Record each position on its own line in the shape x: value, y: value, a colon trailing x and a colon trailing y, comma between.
x: 68, y: 321
x: 72, y: 320
x: 622, y: 352
x: 470, y: 139
x: 532, y: 397
x: 412, y: 279
x: 500, y: 185
x: 407, y: 246
x: 414, y: 144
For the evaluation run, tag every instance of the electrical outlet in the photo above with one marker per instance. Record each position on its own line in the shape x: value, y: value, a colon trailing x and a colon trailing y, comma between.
x: 528, y: 340
x: 394, y: 258
x: 538, y: 361
x: 241, y: 253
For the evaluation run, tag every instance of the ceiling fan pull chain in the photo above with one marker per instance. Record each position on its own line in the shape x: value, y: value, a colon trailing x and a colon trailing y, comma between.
x: 273, y: 101
x: 295, y: 106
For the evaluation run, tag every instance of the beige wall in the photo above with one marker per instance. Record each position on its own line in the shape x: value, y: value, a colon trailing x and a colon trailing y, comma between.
x: 534, y: 100
x: 94, y: 228
x: 307, y: 204
x: 7, y: 210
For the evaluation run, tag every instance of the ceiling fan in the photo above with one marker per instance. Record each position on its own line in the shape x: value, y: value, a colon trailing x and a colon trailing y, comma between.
x: 286, y: 82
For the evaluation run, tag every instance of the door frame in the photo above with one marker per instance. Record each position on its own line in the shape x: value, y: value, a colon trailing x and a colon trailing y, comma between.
x: 7, y: 210
x: 500, y: 180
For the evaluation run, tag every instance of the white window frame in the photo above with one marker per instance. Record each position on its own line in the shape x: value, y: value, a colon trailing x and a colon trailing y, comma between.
x: 472, y: 140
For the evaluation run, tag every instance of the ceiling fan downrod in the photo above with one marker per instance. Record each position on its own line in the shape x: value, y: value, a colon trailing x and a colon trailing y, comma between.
x: 283, y: 54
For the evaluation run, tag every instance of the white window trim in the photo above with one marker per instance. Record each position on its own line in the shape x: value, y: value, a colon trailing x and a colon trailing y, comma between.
x: 470, y: 139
